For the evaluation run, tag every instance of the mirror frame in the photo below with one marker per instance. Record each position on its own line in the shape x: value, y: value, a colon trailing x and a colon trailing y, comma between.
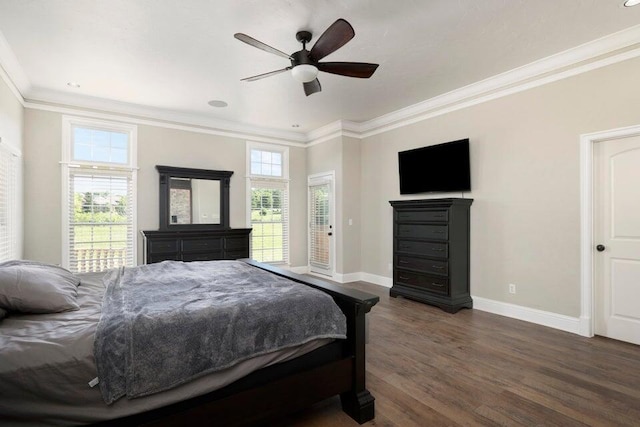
x: 168, y: 172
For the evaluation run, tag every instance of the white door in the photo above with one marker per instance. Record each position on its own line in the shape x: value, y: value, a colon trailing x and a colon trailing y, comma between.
x: 321, y: 224
x: 617, y: 239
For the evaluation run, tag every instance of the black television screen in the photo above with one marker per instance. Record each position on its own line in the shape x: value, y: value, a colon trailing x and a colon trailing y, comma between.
x: 436, y: 168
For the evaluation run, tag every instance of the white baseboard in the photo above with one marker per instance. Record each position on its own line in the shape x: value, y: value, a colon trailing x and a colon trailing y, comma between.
x: 387, y: 282
x: 346, y: 278
x: 349, y: 277
x: 300, y: 270
x: 575, y: 325
x: 544, y: 318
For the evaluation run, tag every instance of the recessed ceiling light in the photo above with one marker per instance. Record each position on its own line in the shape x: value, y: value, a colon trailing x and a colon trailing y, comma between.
x: 73, y: 85
x: 295, y: 126
x: 630, y: 3
x: 217, y: 103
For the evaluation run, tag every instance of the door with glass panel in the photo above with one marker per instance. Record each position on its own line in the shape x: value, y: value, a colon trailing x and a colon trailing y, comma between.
x: 321, y: 224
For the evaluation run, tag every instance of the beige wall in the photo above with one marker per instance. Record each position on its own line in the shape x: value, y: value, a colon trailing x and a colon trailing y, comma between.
x: 42, y: 186
x: 11, y: 132
x: 525, y: 220
x: 350, y: 205
x: 11, y: 117
x: 156, y: 146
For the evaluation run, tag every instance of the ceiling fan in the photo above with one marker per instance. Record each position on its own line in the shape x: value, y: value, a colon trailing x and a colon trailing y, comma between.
x: 304, y: 64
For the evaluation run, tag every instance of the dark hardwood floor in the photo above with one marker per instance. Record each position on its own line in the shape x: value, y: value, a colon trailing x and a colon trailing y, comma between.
x: 426, y: 367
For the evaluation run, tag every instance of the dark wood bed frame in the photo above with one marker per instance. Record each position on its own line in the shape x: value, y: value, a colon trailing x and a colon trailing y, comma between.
x: 277, y: 390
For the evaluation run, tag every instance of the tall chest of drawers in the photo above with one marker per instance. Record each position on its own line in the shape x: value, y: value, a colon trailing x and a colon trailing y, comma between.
x: 431, y: 252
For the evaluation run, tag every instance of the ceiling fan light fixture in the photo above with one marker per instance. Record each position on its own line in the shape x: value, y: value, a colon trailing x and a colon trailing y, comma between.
x: 304, y: 73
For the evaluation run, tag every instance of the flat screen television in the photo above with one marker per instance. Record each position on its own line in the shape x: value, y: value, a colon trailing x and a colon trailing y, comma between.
x: 436, y: 168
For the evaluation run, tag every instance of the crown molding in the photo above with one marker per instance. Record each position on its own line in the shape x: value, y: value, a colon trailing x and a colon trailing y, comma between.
x: 611, y: 49
x: 130, y: 113
x: 333, y: 130
x: 616, y: 47
x: 11, y: 71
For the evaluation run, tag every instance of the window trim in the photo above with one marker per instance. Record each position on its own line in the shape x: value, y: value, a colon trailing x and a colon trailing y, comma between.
x: 68, y: 122
x: 284, y: 150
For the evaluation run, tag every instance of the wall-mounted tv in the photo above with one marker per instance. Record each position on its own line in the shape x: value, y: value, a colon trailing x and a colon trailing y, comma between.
x: 436, y: 168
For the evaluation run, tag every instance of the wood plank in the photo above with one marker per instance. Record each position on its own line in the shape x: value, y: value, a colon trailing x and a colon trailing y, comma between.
x: 428, y: 367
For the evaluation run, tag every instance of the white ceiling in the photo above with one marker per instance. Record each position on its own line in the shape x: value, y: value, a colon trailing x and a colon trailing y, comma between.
x: 175, y: 56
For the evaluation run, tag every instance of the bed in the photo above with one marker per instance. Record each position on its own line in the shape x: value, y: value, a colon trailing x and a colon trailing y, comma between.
x: 52, y: 387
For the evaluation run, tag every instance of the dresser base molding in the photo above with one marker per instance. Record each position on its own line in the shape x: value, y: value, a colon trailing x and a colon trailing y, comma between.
x: 447, y: 304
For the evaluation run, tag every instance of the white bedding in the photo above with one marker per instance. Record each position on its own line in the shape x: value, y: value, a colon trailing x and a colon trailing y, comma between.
x: 46, y: 363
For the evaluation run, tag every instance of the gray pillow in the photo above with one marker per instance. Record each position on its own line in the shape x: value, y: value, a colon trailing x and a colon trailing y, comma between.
x: 34, y: 287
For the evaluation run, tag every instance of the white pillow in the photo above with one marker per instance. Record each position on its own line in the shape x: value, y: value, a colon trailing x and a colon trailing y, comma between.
x: 34, y: 287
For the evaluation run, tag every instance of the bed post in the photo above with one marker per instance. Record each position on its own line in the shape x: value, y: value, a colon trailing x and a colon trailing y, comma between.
x: 358, y: 403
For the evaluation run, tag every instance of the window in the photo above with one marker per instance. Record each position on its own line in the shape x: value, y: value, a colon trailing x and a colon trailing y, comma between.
x: 99, y: 195
x: 268, y: 186
x: 9, y: 172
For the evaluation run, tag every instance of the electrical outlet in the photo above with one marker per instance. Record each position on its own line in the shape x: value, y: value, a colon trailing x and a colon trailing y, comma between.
x: 512, y: 288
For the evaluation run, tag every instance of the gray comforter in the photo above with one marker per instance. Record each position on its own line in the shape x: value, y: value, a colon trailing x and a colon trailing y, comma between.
x: 167, y: 323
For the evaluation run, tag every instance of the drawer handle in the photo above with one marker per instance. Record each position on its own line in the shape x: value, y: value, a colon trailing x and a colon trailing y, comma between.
x: 438, y: 250
x: 438, y: 216
x: 403, y: 278
x: 439, y: 232
x: 439, y: 285
x: 437, y: 267
x: 404, y: 262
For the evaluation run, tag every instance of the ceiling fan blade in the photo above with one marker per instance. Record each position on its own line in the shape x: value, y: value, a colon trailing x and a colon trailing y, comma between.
x: 312, y: 87
x: 351, y: 69
x: 336, y: 36
x: 256, y: 43
x: 262, y: 76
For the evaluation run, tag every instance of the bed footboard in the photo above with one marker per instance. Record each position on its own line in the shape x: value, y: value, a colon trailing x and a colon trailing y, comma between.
x: 357, y: 401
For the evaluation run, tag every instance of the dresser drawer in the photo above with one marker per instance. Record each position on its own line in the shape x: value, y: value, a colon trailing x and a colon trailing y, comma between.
x: 163, y: 257
x: 237, y: 254
x: 201, y: 245
x: 205, y: 256
x: 430, y: 249
x: 163, y: 246
x: 433, y: 284
x: 422, y: 231
x: 424, y: 265
x: 423, y: 216
x: 236, y: 243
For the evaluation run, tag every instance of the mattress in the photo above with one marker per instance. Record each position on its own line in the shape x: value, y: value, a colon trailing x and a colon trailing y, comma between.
x: 46, y: 365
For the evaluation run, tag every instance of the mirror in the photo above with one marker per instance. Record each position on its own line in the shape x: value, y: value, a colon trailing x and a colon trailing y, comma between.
x: 194, y: 201
x: 193, y: 198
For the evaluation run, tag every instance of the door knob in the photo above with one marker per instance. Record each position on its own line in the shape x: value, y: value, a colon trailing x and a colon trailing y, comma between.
x: 600, y: 248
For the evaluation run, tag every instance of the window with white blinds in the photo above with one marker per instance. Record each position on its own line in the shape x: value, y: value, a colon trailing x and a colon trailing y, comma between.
x: 101, y: 226
x: 99, y: 192
x: 270, y: 221
x: 9, y: 171
x: 268, y: 187
x: 319, y: 225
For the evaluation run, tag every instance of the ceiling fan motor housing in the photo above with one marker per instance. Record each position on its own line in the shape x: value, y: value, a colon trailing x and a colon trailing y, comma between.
x: 301, y: 57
